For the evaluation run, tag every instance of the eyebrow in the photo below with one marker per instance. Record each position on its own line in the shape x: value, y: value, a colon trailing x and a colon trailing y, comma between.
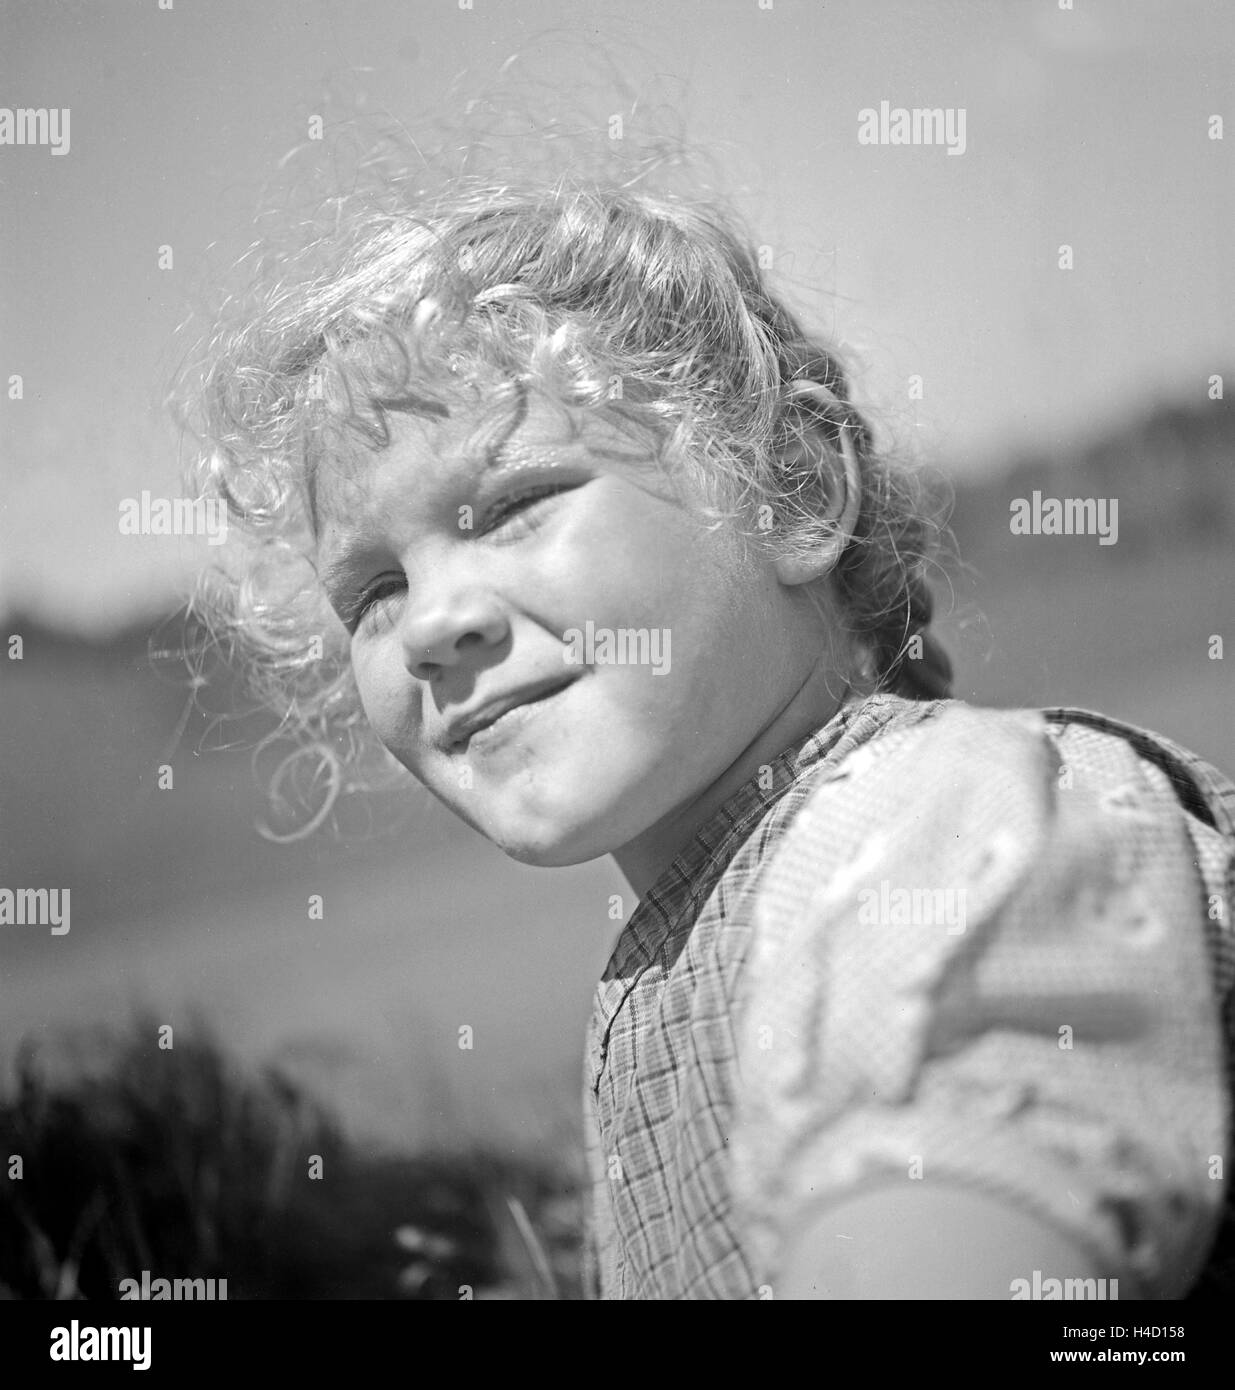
x: 422, y: 407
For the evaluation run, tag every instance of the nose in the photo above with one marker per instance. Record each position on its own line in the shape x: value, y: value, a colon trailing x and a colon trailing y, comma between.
x: 450, y: 630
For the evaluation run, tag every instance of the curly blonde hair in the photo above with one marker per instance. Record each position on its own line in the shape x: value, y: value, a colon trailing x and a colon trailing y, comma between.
x: 652, y: 308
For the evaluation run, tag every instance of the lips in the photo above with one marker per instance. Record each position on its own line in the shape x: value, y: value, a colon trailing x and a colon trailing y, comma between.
x: 468, y: 722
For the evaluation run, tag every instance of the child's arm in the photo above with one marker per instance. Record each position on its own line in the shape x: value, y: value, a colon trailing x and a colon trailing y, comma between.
x: 981, y: 1040
x: 922, y: 1242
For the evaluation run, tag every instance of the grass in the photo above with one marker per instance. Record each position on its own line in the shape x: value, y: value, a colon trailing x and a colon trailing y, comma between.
x: 179, y: 1163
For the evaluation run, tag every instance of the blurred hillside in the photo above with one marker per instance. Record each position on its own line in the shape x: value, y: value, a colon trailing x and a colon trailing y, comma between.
x: 1045, y: 619
x: 1173, y: 471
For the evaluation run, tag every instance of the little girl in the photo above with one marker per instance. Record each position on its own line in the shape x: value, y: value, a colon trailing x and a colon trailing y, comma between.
x: 544, y: 488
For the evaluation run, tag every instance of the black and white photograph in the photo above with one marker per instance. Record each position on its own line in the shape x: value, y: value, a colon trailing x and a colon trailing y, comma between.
x: 613, y: 628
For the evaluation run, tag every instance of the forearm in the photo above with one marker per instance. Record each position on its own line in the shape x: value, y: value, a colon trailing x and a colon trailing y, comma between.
x: 912, y: 1241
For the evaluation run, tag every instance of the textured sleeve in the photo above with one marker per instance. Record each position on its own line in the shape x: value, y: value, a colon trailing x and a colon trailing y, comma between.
x: 979, y: 961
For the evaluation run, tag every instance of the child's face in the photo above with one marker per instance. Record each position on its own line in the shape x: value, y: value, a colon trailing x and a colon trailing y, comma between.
x: 484, y: 580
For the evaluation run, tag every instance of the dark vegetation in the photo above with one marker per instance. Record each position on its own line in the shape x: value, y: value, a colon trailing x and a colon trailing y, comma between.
x: 178, y: 1163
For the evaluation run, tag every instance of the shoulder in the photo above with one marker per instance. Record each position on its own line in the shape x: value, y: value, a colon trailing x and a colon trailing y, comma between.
x: 976, y: 923
x: 968, y: 747
x: 1013, y: 820
x: 973, y: 792
x: 948, y: 787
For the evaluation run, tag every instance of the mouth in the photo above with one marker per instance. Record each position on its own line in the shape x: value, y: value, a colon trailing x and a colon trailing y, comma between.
x: 500, y: 713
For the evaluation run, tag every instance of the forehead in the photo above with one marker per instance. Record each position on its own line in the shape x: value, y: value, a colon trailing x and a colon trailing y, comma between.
x: 438, y: 455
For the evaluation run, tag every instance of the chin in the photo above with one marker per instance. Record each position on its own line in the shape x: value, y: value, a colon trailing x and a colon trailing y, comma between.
x: 554, y: 840
x: 548, y: 850
x: 548, y: 836
x: 542, y: 857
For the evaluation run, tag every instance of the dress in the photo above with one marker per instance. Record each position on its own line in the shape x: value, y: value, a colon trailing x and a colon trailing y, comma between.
x: 932, y: 942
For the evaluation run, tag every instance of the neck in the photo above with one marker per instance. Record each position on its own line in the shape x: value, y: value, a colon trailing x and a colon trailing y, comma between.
x: 643, y: 859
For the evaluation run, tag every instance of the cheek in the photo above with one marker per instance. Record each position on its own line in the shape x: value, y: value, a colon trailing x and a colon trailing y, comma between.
x: 646, y: 564
x: 390, y: 702
x: 634, y: 559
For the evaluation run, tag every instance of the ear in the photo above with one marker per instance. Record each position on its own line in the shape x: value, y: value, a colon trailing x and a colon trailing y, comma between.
x: 801, y: 569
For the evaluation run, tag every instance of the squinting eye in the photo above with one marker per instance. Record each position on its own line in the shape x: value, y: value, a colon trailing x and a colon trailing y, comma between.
x: 372, y: 603
x: 512, y: 508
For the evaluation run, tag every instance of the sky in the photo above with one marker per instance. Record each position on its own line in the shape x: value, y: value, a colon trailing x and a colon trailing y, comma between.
x: 1086, y: 126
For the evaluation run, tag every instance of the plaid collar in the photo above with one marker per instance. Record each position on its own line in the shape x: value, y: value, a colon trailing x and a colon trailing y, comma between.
x: 674, y: 901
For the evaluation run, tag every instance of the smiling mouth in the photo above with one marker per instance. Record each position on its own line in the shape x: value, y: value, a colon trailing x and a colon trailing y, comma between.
x: 502, y: 713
